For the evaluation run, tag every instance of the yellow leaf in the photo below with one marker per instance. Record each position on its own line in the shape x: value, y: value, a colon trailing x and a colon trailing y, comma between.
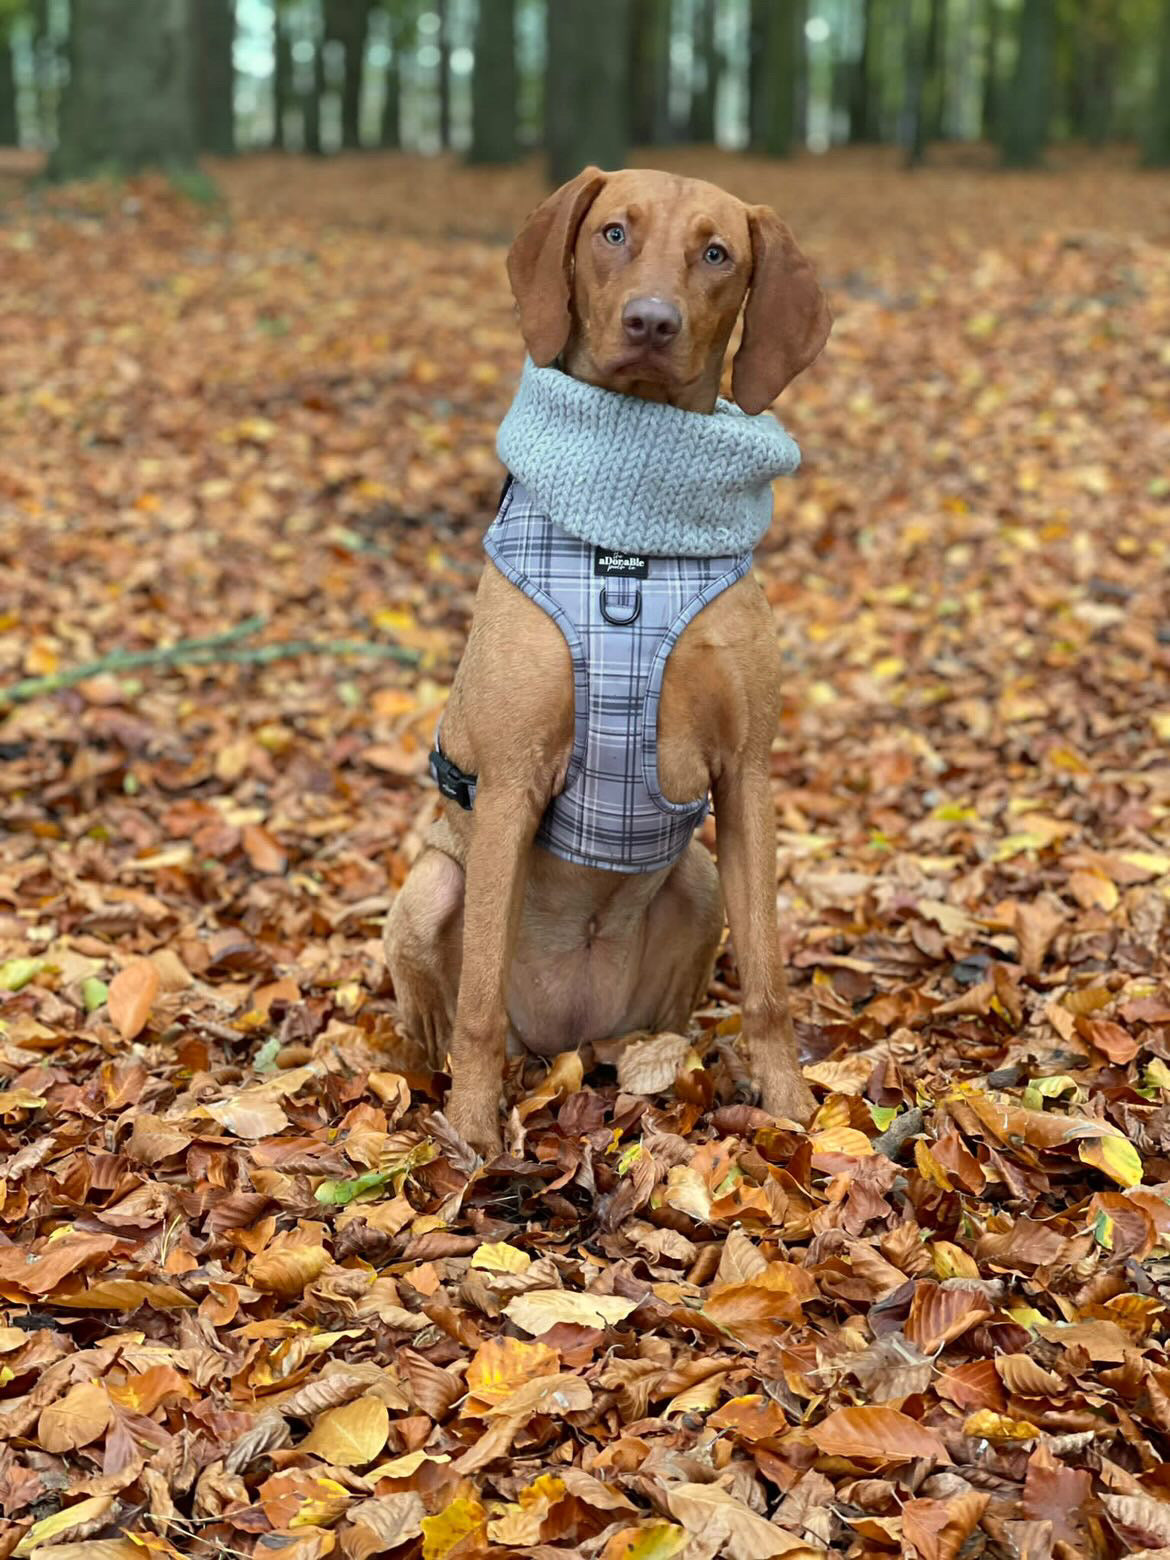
x: 951, y: 1261
x: 501, y: 1365
x: 522, y: 1521
x: 499, y: 1257
x: 842, y: 1140
x: 351, y: 1435
x: 463, y: 1519
x: 656, y: 1541
x: 541, y: 1309
x: 990, y: 1426
x: 1116, y: 1156
x: 402, y: 1467
x: 930, y: 1169
x: 63, y: 1521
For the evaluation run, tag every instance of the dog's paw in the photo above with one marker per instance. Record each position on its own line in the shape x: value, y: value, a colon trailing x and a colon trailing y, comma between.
x: 788, y: 1096
x: 477, y: 1121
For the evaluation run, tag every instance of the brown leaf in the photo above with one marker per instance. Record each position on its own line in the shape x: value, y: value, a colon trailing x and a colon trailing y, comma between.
x: 705, y: 1509
x: 262, y: 850
x: 877, y: 1434
x: 80, y: 1417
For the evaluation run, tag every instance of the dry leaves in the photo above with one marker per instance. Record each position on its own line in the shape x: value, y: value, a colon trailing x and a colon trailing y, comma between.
x: 256, y: 1298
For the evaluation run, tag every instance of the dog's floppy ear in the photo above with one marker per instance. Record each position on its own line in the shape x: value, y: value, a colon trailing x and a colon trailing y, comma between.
x: 786, y: 321
x: 540, y: 265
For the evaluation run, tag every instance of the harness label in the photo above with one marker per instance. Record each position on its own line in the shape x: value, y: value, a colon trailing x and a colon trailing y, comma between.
x: 632, y: 566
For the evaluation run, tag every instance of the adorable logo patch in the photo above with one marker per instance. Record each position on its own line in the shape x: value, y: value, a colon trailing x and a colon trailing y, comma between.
x: 633, y: 566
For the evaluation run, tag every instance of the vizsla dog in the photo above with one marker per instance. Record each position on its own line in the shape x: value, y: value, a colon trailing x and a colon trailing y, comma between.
x: 633, y: 282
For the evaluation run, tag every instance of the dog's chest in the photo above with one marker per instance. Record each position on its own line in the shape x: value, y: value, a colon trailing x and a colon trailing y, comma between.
x: 621, y: 614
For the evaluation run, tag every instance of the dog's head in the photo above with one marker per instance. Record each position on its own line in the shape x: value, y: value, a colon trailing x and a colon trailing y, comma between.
x: 635, y: 281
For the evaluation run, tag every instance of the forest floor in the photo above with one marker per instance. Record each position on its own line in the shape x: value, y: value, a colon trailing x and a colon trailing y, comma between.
x: 257, y: 1299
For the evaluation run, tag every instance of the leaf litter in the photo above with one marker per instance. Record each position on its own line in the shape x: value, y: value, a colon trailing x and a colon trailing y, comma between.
x: 257, y: 1297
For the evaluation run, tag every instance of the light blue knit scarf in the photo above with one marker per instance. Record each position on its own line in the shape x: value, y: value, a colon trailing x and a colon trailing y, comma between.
x: 631, y: 474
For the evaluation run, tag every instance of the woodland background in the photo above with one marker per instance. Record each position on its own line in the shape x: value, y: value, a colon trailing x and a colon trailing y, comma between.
x: 256, y: 1298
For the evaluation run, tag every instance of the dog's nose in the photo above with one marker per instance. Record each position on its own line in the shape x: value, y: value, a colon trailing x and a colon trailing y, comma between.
x: 650, y: 322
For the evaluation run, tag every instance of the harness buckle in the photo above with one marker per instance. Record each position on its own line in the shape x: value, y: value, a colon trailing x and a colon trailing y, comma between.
x: 453, y: 783
x: 615, y: 615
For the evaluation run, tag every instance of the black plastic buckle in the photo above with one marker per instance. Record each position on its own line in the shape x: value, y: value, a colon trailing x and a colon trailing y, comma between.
x: 452, y: 782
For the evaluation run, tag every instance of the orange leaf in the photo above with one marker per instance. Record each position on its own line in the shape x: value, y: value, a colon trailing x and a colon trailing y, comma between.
x: 264, y: 852
x: 879, y: 1434
x: 132, y: 994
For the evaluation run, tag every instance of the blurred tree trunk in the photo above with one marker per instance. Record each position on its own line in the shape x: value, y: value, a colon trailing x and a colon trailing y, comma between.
x: 130, y: 100
x: 401, y: 14
x: 347, y: 22
x: 9, y: 129
x: 214, y: 35
x: 776, y: 51
x: 585, y: 88
x: 44, y: 71
x: 924, y: 75
x: 650, y: 71
x: 864, y: 94
x: 493, y: 84
x: 311, y: 105
x: 1094, y: 70
x: 444, y: 11
x: 1156, y: 145
x: 989, y: 116
x: 704, y: 74
x: 281, y: 74
x: 1026, y: 112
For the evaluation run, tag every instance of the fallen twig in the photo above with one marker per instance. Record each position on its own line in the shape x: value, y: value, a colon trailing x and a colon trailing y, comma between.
x: 898, y: 1133
x: 216, y: 648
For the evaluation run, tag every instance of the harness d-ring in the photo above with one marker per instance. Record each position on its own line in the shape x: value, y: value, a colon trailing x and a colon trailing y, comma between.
x: 620, y: 622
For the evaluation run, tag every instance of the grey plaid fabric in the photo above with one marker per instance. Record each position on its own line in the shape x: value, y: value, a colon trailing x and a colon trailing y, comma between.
x: 620, y: 631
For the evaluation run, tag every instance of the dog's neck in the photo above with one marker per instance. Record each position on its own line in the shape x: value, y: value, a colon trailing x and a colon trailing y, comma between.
x: 626, y: 472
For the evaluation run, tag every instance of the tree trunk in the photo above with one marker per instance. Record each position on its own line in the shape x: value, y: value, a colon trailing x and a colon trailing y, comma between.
x: 311, y: 106
x: 130, y: 101
x: 444, y: 40
x: 704, y: 74
x: 650, y: 71
x: 214, y: 28
x: 348, y: 22
x: 989, y: 117
x: 493, y: 84
x: 1156, y: 143
x: 935, y: 103
x: 585, y: 88
x: 861, y: 97
x: 281, y: 75
x: 9, y: 128
x: 390, y: 133
x: 775, y: 63
x: 924, y: 75
x: 1026, y: 113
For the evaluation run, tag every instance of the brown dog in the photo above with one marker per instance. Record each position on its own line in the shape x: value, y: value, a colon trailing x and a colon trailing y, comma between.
x: 491, y: 933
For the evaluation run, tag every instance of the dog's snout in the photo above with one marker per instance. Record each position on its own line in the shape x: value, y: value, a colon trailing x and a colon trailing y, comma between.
x: 650, y: 322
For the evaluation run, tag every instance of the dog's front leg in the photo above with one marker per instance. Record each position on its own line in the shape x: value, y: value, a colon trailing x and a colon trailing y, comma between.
x: 746, y: 831
x: 497, y: 867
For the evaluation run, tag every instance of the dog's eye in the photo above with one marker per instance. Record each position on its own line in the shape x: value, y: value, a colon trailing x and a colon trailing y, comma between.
x: 615, y: 233
x: 715, y: 254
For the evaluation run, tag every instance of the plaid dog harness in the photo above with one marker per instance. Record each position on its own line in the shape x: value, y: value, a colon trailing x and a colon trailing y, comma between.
x: 621, y: 615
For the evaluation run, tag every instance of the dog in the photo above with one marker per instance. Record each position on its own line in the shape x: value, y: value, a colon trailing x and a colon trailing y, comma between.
x: 632, y: 282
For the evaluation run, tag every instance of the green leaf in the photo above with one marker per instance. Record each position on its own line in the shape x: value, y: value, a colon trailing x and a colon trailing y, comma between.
x: 18, y: 972
x: 94, y: 993
x: 342, y: 1192
x: 265, y: 1059
x: 883, y: 1115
